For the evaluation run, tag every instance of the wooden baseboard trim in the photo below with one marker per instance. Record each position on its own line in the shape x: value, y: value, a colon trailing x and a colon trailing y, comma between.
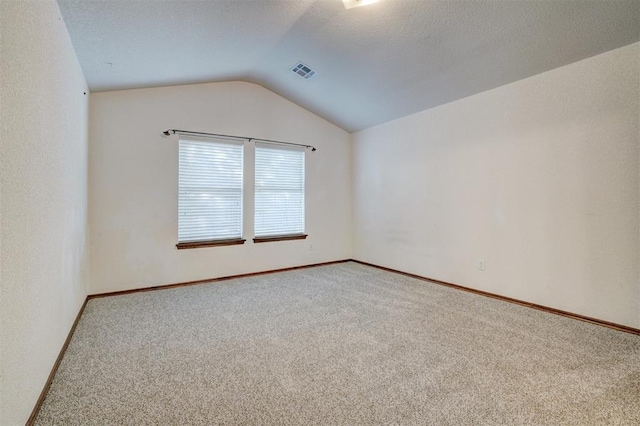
x: 212, y: 280
x: 54, y: 369
x: 555, y: 311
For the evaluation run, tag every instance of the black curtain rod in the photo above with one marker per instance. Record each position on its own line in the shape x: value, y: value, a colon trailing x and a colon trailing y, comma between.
x: 188, y: 132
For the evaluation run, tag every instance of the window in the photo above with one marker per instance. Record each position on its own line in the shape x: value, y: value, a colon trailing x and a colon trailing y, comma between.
x: 210, y: 193
x: 279, y: 193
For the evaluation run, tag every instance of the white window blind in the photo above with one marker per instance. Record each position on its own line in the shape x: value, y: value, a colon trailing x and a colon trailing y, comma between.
x: 210, y: 191
x: 279, y: 191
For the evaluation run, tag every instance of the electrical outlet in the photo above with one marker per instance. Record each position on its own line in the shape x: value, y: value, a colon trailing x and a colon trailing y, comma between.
x: 481, y: 265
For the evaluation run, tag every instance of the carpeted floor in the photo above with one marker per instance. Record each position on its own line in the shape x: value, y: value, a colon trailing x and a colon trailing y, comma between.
x: 339, y: 344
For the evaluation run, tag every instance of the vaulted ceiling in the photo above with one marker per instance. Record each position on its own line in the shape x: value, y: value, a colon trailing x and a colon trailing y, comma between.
x: 373, y: 63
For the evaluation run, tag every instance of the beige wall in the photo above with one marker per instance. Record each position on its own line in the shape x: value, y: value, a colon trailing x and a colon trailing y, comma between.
x: 539, y: 178
x: 134, y: 176
x: 43, y: 198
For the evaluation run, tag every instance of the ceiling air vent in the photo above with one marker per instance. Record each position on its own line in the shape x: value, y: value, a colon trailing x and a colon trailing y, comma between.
x: 303, y: 71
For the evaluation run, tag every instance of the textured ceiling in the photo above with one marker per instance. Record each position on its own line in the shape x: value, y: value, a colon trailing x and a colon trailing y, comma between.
x: 374, y: 63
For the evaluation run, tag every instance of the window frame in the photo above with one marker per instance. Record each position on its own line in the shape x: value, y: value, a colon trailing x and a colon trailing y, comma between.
x: 212, y: 242
x: 280, y: 236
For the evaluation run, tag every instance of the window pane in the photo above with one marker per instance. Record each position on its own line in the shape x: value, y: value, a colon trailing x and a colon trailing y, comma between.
x: 279, y: 200
x: 210, y: 191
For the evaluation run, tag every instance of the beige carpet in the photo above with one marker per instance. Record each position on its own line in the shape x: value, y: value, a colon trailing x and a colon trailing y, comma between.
x: 340, y: 344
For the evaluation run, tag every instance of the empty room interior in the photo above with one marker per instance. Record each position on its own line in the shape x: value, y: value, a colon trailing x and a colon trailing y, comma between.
x: 320, y: 212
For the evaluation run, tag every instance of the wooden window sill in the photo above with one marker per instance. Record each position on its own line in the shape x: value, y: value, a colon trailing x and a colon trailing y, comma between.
x: 212, y: 243
x: 273, y: 238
